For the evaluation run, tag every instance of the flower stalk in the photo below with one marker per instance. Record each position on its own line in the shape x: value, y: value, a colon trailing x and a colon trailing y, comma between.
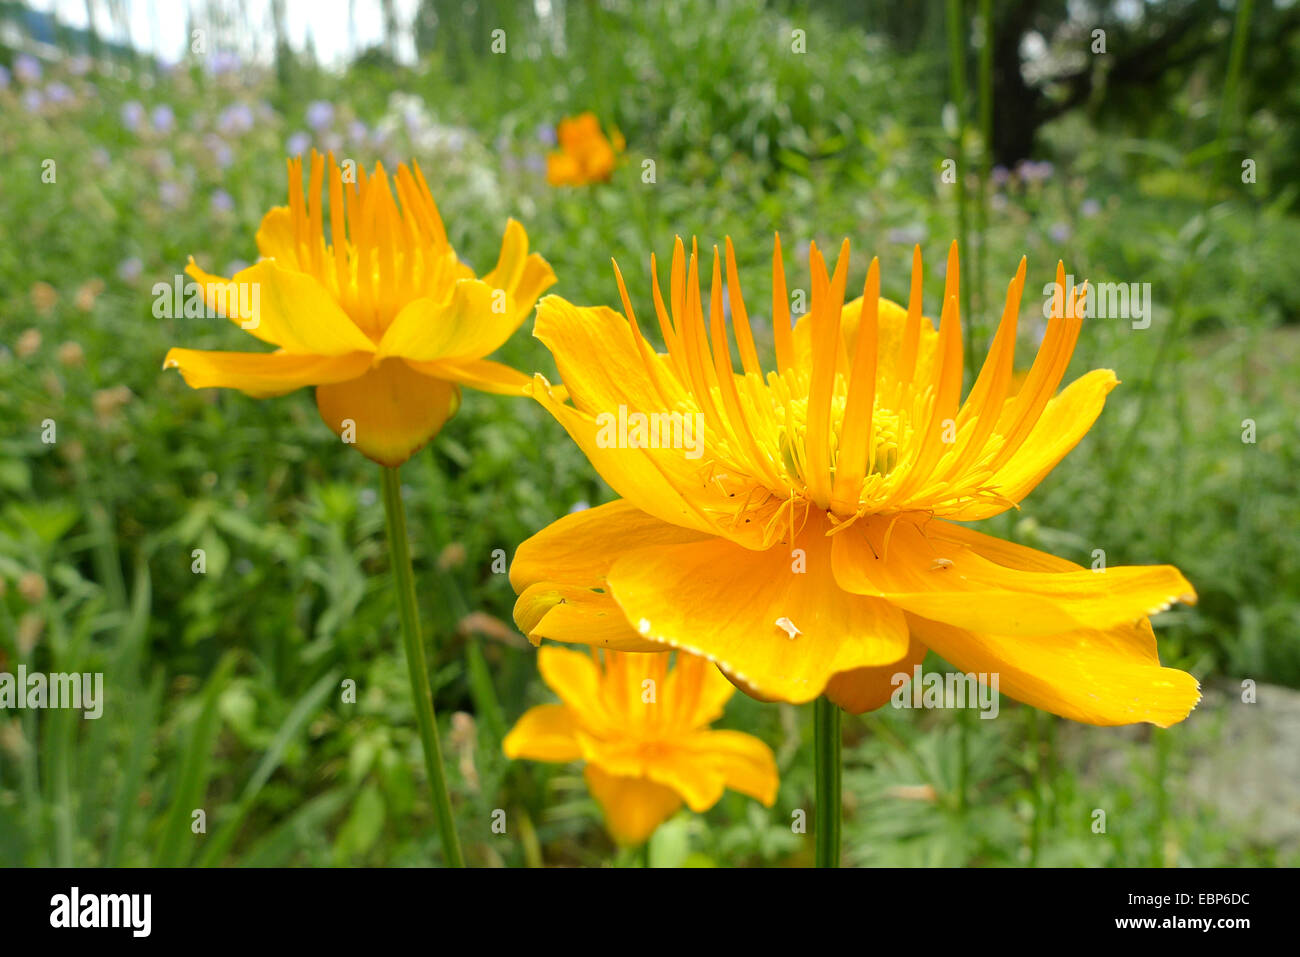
x: 421, y: 693
x: 827, y: 774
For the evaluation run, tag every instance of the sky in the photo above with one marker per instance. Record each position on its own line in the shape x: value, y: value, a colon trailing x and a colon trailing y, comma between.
x: 159, y: 26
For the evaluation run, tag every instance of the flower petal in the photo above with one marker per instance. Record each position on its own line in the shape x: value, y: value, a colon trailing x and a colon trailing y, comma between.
x: 598, y: 359
x: 940, y: 571
x: 892, y: 319
x: 481, y: 374
x: 697, y: 765
x: 696, y: 691
x: 575, y: 677
x: 575, y: 614
x: 485, y: 376
x: 779, y: 631
x: 263, y: 374
x: 579, y: 548
x: 473, y: 322
x: 866, y: 689
x: 639, y: 475
x: 523, y: 277
x: 544, y: 733
x: 575, y: 131
x: 633, y: 807
x: 668, y: 477
x: 1101, y: 677
x: 286, y: 308
x: 276, y: 239
x: 1065, y: 421
x: 390, y: 412
x: 218, y: 295
x: 562, y: 170
x: 692, y: 773
x: 746, y: 763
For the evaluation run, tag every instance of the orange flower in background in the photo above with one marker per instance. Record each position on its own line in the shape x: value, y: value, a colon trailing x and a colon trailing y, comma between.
x: 799, y: 526
x: 643, y: 732
x: 379, y: 314
x: 585, y: 155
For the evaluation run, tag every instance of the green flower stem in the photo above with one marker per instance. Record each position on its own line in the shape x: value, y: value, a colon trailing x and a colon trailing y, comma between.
x: 421, y: 693
x: 957, y: 29
x: 827, y: 770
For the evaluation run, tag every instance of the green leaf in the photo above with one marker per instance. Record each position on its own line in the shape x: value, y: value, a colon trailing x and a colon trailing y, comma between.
x: 363, y: 826
x: 290, y: 728
x: 177, y: 843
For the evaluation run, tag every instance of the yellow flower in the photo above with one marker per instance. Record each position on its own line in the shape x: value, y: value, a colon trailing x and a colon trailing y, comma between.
x: 805, y: 537
x: 585, y: 155
x: 643, y: 733
x: 379, y: 315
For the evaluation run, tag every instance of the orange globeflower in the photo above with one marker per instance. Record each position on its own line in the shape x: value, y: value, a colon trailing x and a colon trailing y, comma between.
x: 379, y: 314
x: 803, y: 533
x: 585, y: 154
x: 643, y: 733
